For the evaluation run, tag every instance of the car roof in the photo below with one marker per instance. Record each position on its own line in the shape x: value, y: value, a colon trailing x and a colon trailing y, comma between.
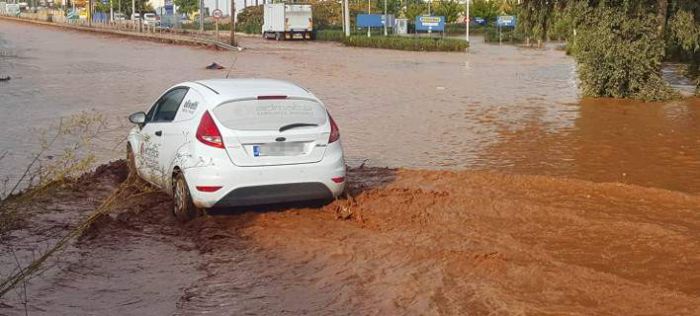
x: 229, y: 89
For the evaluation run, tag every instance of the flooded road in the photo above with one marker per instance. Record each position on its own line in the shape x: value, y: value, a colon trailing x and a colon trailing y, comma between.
x: 406, y: 242
x: 498, y: 108
x: 491, y: 211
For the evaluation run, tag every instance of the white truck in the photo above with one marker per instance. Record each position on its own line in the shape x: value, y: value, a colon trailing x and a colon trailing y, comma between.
x: 287, y: 21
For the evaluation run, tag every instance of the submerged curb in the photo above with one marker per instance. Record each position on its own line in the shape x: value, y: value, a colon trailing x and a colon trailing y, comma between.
x: 168, y: 39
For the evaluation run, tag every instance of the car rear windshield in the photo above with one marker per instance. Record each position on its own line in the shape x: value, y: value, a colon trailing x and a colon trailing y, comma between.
x: 269, y: 114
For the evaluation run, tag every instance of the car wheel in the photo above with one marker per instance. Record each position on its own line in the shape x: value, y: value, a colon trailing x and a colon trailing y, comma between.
x: 183, y: 207
x: 130, y: 161
x: 278, y: 36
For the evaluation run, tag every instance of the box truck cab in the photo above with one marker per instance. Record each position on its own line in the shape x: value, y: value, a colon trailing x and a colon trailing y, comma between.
x: 287, y: 21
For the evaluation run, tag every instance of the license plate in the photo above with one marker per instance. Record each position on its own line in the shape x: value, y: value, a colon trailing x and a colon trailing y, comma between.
x: 278, y: 149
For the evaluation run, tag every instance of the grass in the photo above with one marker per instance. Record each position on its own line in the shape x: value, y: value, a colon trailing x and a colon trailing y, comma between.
x: 330, y: 35
x: 409, y: 43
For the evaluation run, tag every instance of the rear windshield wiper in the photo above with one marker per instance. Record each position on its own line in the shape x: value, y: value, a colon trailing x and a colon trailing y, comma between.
x: 295, y: 125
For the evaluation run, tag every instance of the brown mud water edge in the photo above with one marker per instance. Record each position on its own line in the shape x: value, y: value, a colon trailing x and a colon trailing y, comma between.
x: 168, y: 39
x: 401, y: 242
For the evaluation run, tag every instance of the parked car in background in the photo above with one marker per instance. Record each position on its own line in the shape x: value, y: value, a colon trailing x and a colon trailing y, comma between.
x: 119, y: 16
x: 135, y: 16
x: 237, y: 142
x: 151, y: 19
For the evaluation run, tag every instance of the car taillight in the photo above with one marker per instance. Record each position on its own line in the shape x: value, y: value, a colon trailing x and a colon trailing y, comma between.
x: 208, y: 133
x: 208, y: 188
x: 335, y: 132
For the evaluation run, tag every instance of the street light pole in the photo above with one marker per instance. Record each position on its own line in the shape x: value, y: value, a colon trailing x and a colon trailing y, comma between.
x: 386, y: 19
x: 369, y: 11
x: 347, y: 17
x: 467, y: 20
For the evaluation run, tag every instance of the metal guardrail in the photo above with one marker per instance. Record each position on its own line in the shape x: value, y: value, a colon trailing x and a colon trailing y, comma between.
x: 124, y: 28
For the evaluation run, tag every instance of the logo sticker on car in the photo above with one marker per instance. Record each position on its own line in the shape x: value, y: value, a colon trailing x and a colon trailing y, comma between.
x: 190, y: 106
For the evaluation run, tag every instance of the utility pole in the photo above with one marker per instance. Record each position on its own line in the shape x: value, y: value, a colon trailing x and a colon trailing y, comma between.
x: 201, y: 16
x: 90, y: 13
x: 111, y: 10
x: 467, y: 20
x: 133, y: 11
x: 233, y: 23
x: 386, y: 19
x: 346, y: 11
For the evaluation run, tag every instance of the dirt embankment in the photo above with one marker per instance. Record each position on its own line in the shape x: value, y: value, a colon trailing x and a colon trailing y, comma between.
x: 406, y: 242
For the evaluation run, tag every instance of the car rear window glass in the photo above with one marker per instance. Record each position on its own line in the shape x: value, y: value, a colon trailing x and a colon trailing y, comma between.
x: 269, y: 114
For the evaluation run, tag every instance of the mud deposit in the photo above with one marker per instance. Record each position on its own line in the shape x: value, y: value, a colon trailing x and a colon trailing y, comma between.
x: 403, y: 242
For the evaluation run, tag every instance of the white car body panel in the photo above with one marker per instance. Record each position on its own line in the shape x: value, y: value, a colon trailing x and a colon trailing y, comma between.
x: 244, y: 179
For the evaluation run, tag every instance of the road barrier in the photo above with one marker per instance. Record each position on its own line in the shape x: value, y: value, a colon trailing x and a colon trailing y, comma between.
x: 122, y: 28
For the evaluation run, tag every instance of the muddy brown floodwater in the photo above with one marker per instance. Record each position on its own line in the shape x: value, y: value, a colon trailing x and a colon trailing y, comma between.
x: 407, y: 242
x: 548, y: 205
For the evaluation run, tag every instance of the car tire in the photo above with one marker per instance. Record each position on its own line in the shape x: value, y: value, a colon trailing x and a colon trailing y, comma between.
x: 278, y: 36
x: 130, y: 161
x: 183, y: 207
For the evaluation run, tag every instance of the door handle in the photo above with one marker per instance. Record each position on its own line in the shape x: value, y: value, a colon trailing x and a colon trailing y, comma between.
x: 159, y: 133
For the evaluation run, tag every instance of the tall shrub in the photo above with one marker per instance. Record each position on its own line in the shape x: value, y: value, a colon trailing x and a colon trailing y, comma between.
x: 619, y: 55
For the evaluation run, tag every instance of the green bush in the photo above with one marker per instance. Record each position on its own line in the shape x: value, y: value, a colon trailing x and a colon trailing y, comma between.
x: 249, y: 28
x: 250, y: 20
x: 407, y: 43
x: 619, y: 55
x: 455, y: 29
x: 330, y: 35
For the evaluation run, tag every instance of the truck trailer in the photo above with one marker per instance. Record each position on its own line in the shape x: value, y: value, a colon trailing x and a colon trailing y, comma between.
x: 287, y: 21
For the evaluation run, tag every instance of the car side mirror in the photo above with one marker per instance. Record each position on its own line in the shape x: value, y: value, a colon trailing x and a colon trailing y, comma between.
x: 138, y: 118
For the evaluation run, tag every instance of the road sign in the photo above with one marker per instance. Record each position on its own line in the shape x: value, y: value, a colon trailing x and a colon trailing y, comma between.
x: 506, y: 21
x: 217, y: 14
x: 369, y: 20
x: 430, y: 23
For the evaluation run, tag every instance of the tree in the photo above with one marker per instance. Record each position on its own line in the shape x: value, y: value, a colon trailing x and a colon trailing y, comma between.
x: 534, y: 18
x: 326, y: 13
x: 620, y: 44
x: 415, y: 9
x: 484, y: 9
x: 450, y: 9
x: 617, y: 58
x: 187, y: 6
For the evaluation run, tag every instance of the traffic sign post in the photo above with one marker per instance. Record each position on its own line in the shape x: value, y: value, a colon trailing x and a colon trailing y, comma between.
x: 217, y: 14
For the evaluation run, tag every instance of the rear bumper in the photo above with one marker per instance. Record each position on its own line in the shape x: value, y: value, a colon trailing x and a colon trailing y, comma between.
x: 275, y: 193
x: 242, y: 186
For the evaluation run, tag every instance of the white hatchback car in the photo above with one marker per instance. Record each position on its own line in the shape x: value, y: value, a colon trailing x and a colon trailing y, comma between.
x: 237, y: 142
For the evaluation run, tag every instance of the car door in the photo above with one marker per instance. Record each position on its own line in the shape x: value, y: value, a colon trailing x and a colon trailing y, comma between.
x: 158, y: 119
x: 178, y: 133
